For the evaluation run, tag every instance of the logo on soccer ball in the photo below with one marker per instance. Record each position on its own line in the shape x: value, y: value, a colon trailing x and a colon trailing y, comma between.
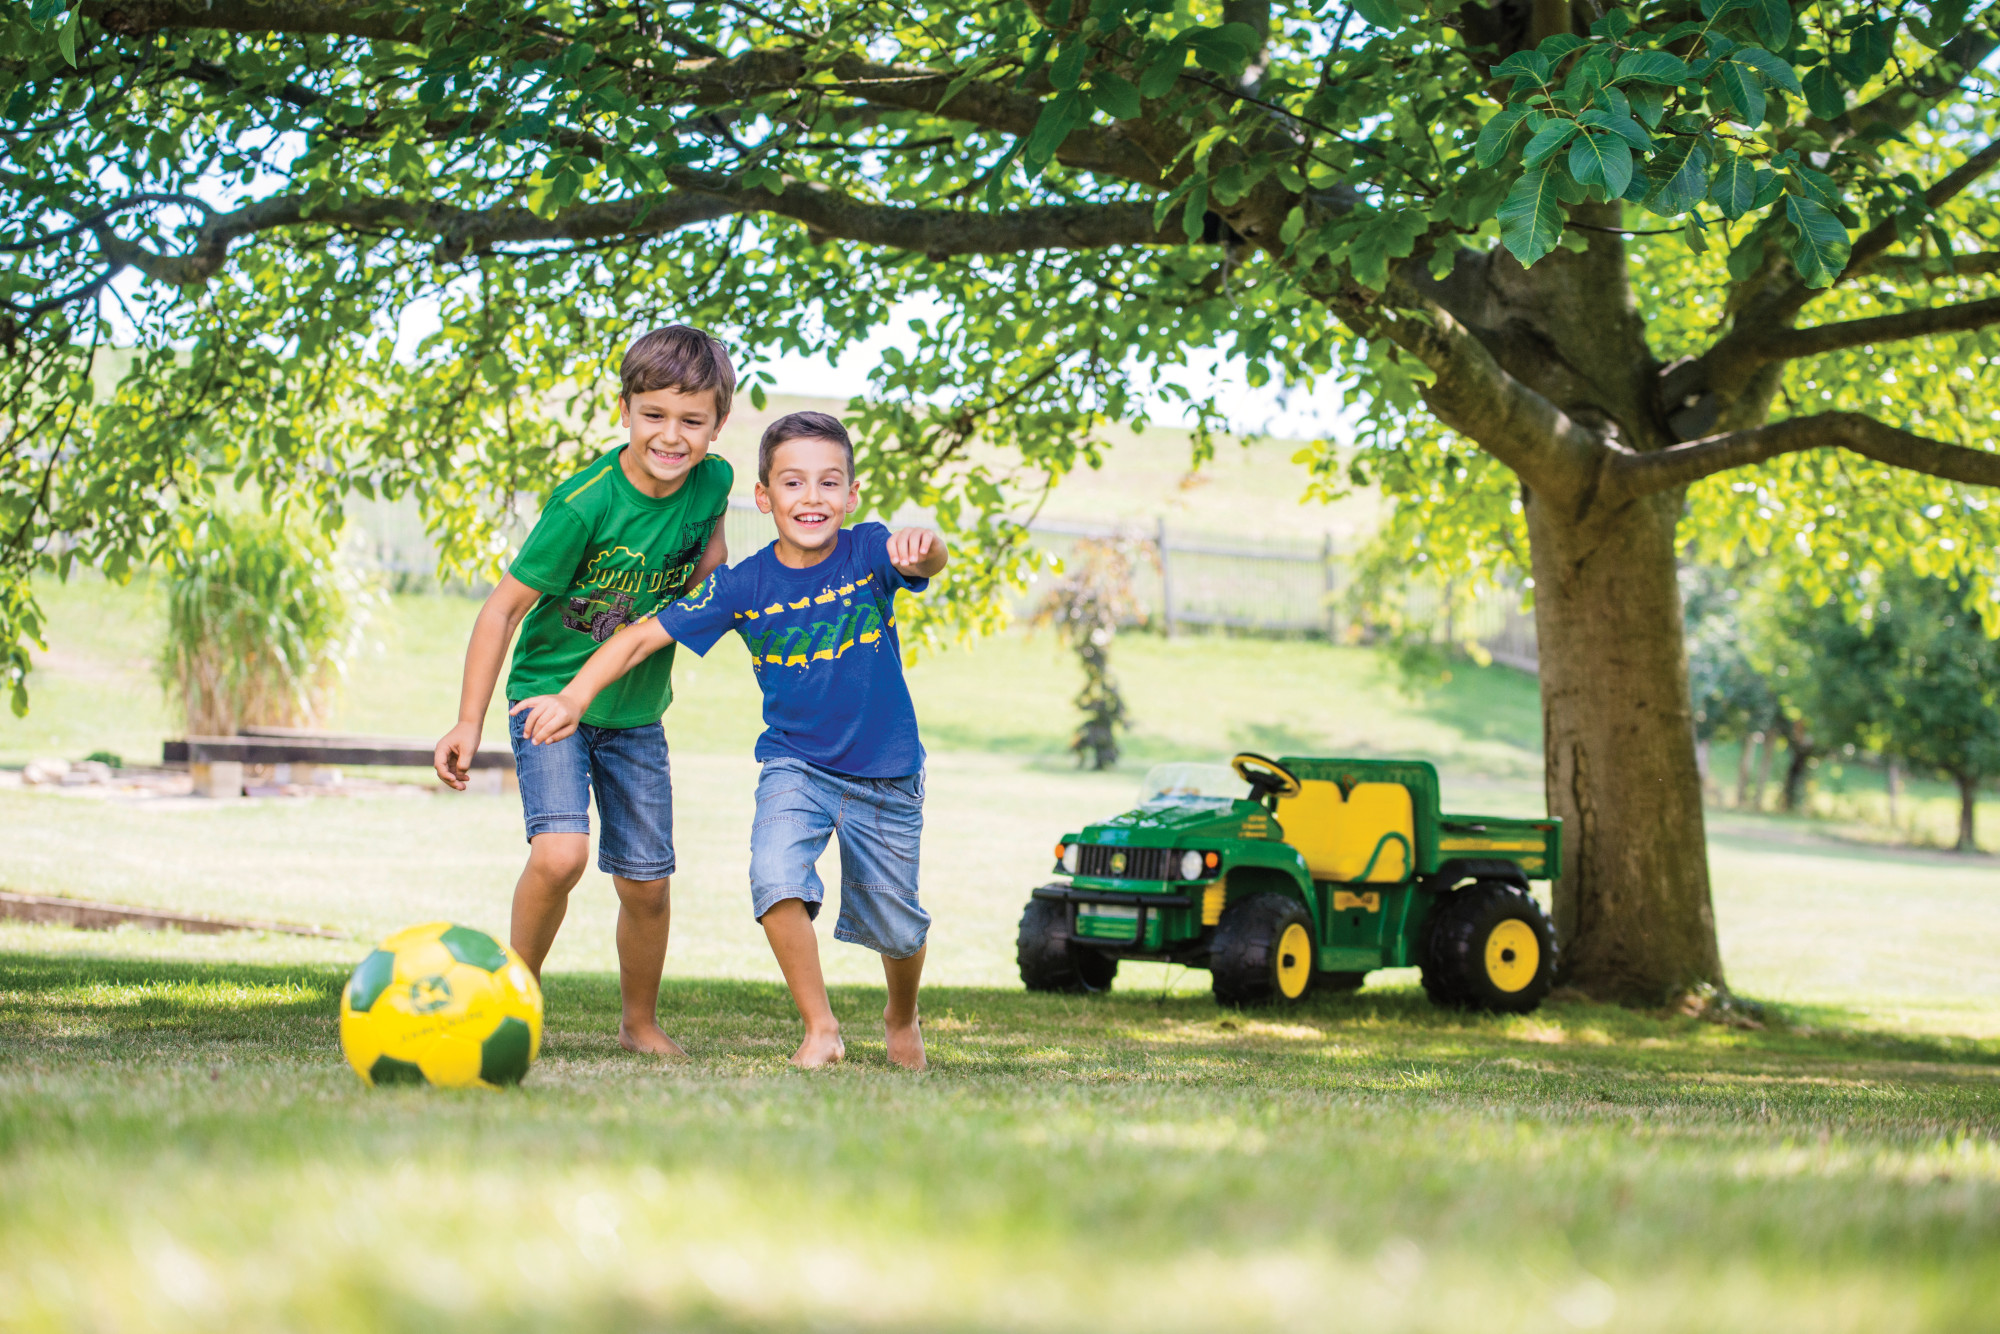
x: 429, y: 994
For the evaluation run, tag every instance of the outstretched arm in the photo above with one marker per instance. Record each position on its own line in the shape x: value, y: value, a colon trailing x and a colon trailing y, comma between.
x: 918, y: 553
x: 553, y: 717
x: 485, y: 655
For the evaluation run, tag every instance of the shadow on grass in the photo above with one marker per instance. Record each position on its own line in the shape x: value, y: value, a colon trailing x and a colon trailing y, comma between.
x: 142, y: 1009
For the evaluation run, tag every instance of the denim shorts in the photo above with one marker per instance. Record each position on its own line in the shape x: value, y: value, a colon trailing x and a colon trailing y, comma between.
x: 880, y: 822
x: 635, y: 793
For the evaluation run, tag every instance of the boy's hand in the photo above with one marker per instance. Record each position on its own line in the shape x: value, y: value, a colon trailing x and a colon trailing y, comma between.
x: 453, y: 757
x: 917, y: 552
x: 550, y: 718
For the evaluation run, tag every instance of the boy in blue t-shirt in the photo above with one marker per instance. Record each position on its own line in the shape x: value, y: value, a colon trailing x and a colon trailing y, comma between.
x: 840, y: 747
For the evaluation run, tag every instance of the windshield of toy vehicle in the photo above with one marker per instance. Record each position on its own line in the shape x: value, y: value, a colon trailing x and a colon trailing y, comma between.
x: 1186, y: 784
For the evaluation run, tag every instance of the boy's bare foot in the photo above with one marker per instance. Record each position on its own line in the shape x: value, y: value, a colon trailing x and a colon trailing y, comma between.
x: 648, y: 1040
x: 819, y: 1049
x: 906, y: 1044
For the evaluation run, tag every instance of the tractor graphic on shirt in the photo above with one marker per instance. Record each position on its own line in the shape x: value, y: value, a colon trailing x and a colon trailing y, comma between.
x: 598, y: 616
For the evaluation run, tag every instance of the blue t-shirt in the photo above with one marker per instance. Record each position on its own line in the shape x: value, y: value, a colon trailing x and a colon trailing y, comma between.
x: 823, y: 643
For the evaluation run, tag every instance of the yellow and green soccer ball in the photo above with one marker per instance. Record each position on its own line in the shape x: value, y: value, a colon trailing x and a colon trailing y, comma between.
x: 441, y: 1004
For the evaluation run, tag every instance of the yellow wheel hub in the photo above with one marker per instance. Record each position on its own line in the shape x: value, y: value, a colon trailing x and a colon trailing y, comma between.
x: 1294, y: 961
x: 1513, y: 955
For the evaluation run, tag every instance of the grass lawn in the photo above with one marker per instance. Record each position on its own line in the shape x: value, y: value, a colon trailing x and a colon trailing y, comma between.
x: 182, y: 1149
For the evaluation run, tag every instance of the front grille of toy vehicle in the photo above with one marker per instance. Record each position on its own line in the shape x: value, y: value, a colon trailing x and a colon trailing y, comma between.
x: 1098, y: 859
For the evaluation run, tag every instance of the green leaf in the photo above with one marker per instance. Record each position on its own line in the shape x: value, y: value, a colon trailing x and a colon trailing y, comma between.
x: 1678, y: 174
x: 1382, y: 13
x: 1774, y: 68
x: 1548, y: 141
x: 1661, y: 67
x: 1526, y: 64
x: 1741, y: 90
x: 1819, y: 243
x: 1497, y: 134
x: 1557, y: 45
x: 1059, y: 116
x: 1734, y: 186
x: 1773, y: 21
x: 1115, y: 96
x: 1648, y: 103
x: 1621, y: 125
x: 1825, y: 97
x: 66, y: 35
x: 1867, y: 51
x: 1692, y: 233
x: 1067, y: 71
x: 1381, y: 239
x: 1602, y: 159
x: 1196, y: 209
x: 1947, y: 18
x: 1161, y: 75
x: 1769, y: 187
x: 1531, y: 218
x: 1819, y: 187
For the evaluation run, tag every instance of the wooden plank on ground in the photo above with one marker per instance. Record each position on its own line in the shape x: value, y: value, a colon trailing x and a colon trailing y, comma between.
x: 90, y: 916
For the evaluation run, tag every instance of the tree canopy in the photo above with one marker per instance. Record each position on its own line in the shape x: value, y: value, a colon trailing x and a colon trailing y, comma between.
x: 1573, y: 260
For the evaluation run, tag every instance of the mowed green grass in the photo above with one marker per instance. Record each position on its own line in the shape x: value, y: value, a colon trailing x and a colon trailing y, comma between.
x: 179, y: 1150
x: 181, y: 1147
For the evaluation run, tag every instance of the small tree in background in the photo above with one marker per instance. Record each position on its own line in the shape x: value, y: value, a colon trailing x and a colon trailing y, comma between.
x: 1086, y: 606
x: 1943, y: 702
x: 262, y: 618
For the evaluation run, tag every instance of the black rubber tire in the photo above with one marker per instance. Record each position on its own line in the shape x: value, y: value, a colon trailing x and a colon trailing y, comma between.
x: 1243, y: 960
x: 1049, y: 961
x: 1455, y: 968
x: 1338, y: 982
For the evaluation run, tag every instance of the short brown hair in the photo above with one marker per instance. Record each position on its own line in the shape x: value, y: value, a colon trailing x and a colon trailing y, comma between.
x: 802, y: 426
x: 678, y: 357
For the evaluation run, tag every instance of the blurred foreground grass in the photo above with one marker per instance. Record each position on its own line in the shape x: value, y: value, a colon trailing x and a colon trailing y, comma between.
x: 179, y: 1150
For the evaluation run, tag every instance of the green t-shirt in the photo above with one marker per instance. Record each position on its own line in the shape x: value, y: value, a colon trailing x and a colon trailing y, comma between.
x: 604, y: 555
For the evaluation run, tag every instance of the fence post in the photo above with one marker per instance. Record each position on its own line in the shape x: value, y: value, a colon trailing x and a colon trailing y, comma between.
x: 1166, y: 576
x: 1326, y: 577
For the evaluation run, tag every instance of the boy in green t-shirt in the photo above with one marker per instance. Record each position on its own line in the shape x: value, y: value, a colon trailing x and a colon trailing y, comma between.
x: 616, y: 542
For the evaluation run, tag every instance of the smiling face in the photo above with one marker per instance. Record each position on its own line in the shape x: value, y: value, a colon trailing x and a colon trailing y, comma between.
x: 670, y: 432
x: 809, y: 493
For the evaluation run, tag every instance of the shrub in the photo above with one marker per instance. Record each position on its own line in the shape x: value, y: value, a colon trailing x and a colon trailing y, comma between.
x: 262, y: 618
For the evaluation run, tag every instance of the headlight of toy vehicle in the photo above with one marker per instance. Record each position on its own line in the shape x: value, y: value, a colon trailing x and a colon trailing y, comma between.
x: 1191, y: 865
x: 1069, y: 858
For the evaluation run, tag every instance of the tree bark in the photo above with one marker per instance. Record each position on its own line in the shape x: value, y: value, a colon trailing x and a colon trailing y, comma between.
x: 1798, y: 765
x: 1632, y: 906
x: 1968, y: 807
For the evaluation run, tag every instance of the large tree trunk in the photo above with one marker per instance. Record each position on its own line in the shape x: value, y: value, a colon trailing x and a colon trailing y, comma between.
x: 1632, y: 907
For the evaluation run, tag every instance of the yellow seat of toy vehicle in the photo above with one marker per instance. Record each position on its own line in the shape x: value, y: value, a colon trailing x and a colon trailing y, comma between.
x: 1337, y: 836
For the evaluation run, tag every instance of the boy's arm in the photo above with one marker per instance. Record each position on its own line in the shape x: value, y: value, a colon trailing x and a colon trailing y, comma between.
x: 485, y: 655
x: 553, y: 717
x: 917, y: 553
x: 714, y: 556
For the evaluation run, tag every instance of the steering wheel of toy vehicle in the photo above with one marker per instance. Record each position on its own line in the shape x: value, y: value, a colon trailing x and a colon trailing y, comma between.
x: 1266, y: 777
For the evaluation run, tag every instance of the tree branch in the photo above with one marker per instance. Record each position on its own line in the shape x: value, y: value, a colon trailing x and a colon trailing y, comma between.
x: 1640, y: 474
x: 330, y: 18
x: 1898, y: 106
x: 1474, y: 395
x: 1789, y: 343
x: 459, y: 231
x: 1938, y: 267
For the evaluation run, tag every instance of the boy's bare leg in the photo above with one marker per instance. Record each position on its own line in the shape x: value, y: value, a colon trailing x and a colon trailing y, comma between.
x: 645, y: 908
x: 792, y: 939
x: 899, y: 1017
x: 541, y: 895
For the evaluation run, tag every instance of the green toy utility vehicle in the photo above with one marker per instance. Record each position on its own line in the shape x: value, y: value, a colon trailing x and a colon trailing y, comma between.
x: 1326, y: 869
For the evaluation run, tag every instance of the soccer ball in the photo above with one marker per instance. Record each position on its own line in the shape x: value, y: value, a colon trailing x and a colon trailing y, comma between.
x: 441, y: 1004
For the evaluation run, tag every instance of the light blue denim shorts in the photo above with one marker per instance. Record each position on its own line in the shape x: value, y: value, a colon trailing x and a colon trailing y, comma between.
x: 880, y: 822
x: 635, y: 793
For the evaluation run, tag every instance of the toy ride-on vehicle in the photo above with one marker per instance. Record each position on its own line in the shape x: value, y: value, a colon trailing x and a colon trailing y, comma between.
x: 1323, y: 870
